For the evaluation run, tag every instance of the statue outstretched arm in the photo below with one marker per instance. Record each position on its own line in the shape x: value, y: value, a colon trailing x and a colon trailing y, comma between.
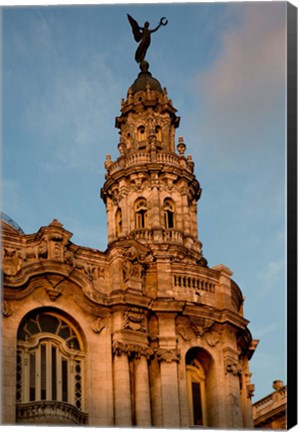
x: 163, y: 21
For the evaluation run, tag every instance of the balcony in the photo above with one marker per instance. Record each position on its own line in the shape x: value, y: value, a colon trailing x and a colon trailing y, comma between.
x: 169, y: 159
x: 50, y: 412
x: 158, y: 235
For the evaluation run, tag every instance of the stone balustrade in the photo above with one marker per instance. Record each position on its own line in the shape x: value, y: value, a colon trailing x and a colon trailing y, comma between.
x: 197, y: 283
x: 166, y: 235
x: 170, y: 159
x: 51, y: 412
x: 269, y: 403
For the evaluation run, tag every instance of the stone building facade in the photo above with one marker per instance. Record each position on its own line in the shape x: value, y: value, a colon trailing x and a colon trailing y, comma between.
x: 144, y: 333
x: 270, y: 412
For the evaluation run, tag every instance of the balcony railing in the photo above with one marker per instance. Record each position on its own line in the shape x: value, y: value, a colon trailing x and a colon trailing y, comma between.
x: 196, y: 283
x: 50, y: 412
x: 145, y: 157
x: 270, y: 403
x: 163, y: 235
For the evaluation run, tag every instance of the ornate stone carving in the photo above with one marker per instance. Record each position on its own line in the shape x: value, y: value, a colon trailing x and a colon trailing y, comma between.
x: 233, y: 367
x: 42, y: 412
x: 12, y: 261
x: 133, y: 264
x: 134, y: 319
x: 43, y: 249
x: 135, y: 350
x: 168, y: 355
x: 250, y: 388
x: 98, y: 325
x: 211, y: 338
x: 6, y: 309
x: 53, y: 292
x: 200, y: 325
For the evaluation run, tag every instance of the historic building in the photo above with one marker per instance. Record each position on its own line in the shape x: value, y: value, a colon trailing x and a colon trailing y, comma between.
x: 270, y: 412
x: 144, y: 333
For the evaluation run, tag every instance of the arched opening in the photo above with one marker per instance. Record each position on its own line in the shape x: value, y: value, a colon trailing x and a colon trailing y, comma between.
x: 141, y: 213
x: 197, y: 367
x: 158, y: 134
x: 141, y: 135
x: 169, y: 214
x: 50, y: 370
x: 118, y: 221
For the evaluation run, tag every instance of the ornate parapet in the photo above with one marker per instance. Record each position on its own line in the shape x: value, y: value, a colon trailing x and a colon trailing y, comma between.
x: 270, y: 411
x: 50, y: 412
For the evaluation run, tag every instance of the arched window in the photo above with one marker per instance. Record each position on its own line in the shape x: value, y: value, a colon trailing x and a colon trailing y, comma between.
x: 141, y: 213
x: 118, y: 220
x: 196, y: 393
x: 141, y: 133
x: 169, y: 214
x: 158, y: 133
x: 50, y: 365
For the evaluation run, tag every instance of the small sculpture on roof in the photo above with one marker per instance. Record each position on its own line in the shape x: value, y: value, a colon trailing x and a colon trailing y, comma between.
x: 143, y: 35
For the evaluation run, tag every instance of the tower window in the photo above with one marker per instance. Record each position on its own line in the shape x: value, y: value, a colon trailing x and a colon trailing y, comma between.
x: 158, y: 133
x: 141, y: 133
x: 169, y: 214
x: 141, y: 213
x: 118, y: 218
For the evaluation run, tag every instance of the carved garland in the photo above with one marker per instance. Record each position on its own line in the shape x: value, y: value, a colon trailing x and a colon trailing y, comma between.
x: 166, y: 355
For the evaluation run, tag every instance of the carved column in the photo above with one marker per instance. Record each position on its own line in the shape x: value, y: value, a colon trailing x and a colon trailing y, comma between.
x: 122, y: 392
x: 155, y: 205
x: 233, y: 401
x: 185, y: 211
x: 169, y: 387
x: 142, y: 401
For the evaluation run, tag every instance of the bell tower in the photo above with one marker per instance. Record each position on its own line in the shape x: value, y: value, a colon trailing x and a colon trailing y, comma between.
x: 150, y: 191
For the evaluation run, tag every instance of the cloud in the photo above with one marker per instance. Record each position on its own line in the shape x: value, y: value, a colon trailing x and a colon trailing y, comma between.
x: 248, y: 75
x: 272, y: 272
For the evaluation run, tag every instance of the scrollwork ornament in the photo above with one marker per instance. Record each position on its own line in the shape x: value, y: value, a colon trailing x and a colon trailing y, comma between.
x: 6, y: 309
x: 168, y: 355
x: 134, y: 319
x: 98, y: 325
x: 134, y: 350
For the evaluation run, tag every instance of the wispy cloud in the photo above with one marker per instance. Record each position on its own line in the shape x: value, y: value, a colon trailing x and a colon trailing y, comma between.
x: 272, y: 272
x: 248, y: 75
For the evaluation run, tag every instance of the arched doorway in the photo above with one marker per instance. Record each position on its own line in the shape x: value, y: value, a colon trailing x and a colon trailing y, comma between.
x: 198, y: 363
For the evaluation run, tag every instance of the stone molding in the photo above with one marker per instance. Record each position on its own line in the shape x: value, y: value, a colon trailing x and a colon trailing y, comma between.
x: 50, y: 412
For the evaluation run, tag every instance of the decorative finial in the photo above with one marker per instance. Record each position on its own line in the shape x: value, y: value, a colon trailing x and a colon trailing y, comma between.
x: 181, y: 147
x: 143, y: 35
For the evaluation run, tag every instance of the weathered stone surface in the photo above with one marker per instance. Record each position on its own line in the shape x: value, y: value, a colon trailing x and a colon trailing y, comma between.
x: 153, y: 320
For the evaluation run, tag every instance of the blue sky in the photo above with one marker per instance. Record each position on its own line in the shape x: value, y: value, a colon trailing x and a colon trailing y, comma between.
x: 65, y: 70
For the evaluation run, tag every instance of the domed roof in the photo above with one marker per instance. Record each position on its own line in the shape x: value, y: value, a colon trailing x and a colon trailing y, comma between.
x: 11, y: 223
x: 145, y: 78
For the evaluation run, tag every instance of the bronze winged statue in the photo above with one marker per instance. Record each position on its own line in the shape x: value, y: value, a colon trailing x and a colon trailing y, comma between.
x: 143, y: 35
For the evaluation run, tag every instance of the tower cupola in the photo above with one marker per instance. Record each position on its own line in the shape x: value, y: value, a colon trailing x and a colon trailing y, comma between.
x: 151, y: 191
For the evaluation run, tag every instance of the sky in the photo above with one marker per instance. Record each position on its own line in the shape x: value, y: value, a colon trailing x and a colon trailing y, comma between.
x: 66, y: 69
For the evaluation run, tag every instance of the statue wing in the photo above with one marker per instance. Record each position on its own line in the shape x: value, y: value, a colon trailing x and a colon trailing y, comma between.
x: 135, y: 28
